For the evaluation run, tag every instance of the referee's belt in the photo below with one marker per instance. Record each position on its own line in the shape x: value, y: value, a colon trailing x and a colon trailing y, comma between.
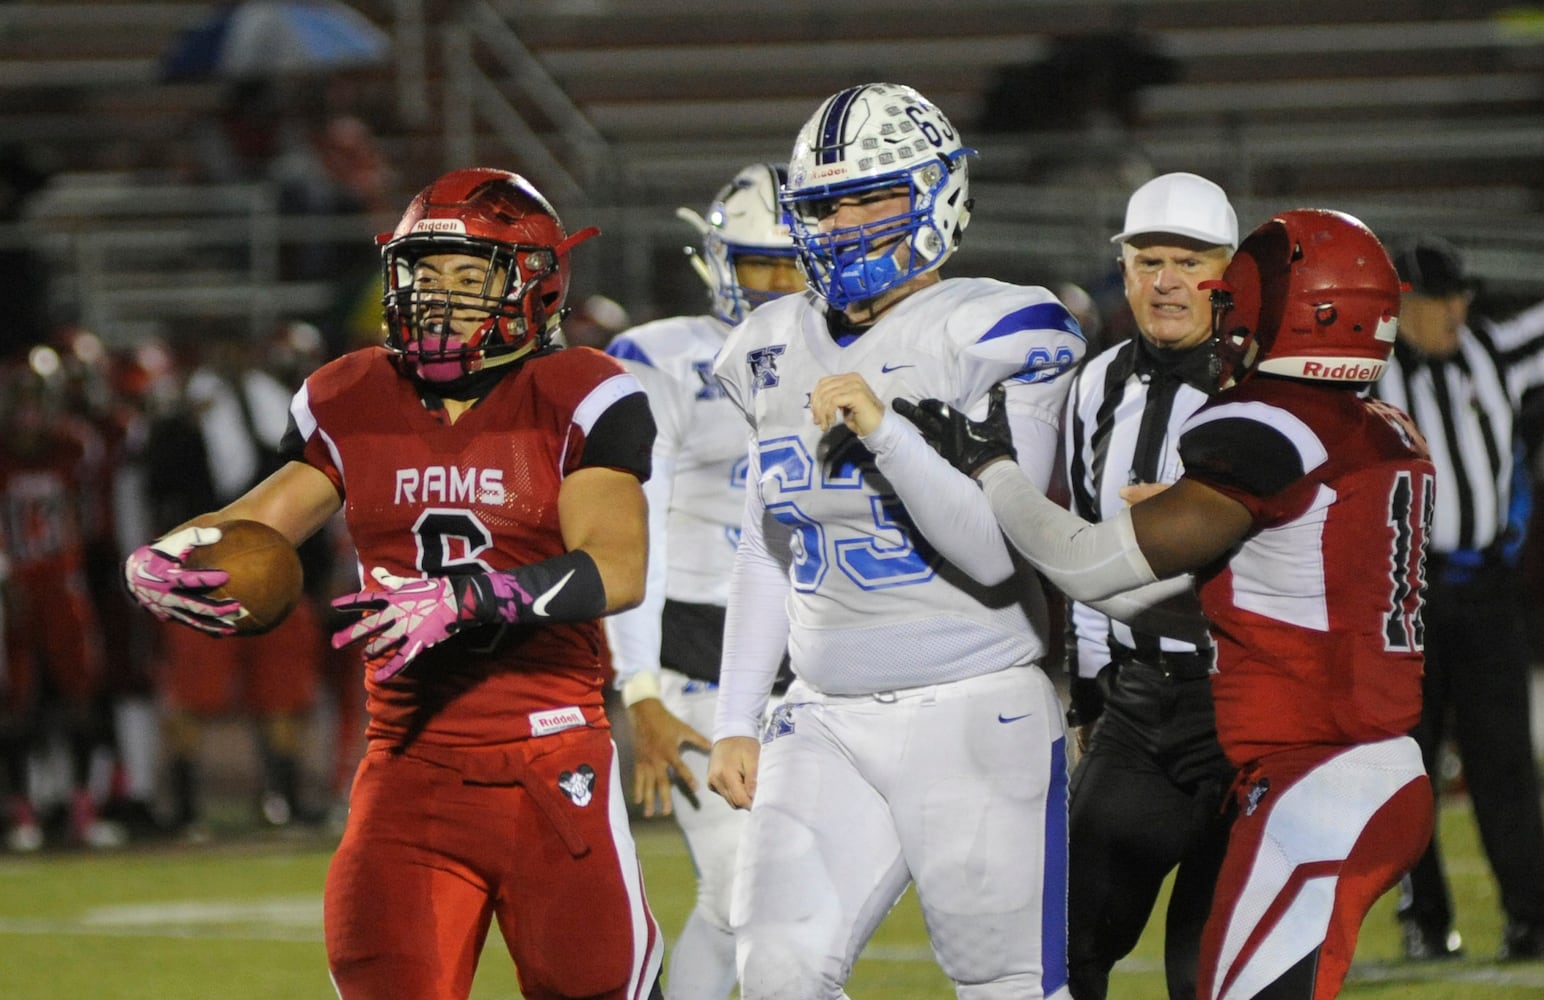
x: 1172, y: 664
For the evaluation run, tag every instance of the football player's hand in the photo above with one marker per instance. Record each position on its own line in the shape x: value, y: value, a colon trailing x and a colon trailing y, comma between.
x: 160, y: 583
x: 401, y: 620
x: 658, y: 737
x: 969, y: 445
x: 1138, y: 492
x: 732, y: 769
x: 846, y: 399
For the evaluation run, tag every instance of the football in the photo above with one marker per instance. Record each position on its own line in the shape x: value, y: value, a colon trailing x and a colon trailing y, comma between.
x: 264, y: 572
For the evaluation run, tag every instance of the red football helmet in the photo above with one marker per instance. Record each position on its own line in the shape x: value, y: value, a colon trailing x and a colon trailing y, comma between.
x: 1311, y: 294
x: 448, y: 329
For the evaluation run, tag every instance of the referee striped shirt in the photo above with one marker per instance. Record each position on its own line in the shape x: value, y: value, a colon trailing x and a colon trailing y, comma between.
x: 1124, y: 414
x: 1467, y: 407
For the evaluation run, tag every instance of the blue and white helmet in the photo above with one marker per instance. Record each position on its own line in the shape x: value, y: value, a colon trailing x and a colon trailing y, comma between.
x: 867, y: 138
x: 743, y: 220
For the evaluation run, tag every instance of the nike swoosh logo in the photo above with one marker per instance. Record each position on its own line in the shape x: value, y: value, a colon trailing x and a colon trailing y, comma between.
x: 539, y: 606
x: 887, y: 369
x: 1012, y: 718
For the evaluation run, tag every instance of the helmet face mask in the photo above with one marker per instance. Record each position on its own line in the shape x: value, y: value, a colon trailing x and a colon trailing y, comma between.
x: 456, y: 308
x: 860, y: 144
x: 475, y: 274
x: 1309, y: 295
x: 742, y: 235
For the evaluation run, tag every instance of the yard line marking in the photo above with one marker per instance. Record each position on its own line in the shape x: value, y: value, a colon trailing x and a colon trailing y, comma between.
x: 212, y: 932
x: 1396, y: 971
x: 274, y: 918
x: 303, y: 910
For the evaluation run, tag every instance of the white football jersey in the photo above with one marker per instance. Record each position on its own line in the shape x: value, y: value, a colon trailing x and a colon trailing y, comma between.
x: 872, y: 606
x: 697, y: 490
x: 701, y: 435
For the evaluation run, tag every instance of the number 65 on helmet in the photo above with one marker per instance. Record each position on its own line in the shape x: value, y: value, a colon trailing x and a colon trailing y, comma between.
x: 870, y: 138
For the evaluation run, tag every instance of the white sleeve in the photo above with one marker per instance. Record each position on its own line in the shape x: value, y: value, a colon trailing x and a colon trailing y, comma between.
x: 1522, y: 339
x: 1169, y: 607
x: 945, y: 504
x: 1087, y: 562
x: 755, y: 626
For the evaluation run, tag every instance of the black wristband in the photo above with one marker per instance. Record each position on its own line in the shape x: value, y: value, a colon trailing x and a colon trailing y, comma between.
x: 565, y: 588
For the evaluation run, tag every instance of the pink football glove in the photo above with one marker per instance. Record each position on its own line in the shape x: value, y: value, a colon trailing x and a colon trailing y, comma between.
x: 401, y: 621
x: 410, y: 614
x: 160, y: 584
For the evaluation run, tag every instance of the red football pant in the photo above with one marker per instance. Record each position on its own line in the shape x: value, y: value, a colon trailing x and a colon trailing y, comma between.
x: 50, y: 626
x: 1321, y: 833
x: 534, y: 834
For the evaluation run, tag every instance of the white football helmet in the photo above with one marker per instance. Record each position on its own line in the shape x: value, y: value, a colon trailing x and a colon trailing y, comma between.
x: 744, y: 220
x: 867, y: 138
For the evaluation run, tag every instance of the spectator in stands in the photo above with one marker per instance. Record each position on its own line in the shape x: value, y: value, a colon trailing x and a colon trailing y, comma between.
x: 1085, y: 90
x: 320, y: 163
x: 1466, y: 385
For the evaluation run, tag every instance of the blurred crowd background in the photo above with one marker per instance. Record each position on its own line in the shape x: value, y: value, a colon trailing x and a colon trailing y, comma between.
x: 189, y: 195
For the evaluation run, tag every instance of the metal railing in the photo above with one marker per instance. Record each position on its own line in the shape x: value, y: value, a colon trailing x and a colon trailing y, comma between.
x: 132, y: 257
x: 573, y: 165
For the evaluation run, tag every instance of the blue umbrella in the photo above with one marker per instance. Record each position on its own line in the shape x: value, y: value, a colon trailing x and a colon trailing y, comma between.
x: 264, y: 38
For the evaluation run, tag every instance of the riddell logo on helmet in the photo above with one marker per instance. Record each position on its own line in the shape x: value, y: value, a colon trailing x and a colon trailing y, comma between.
x: 1325, y: 368
x: 439, y: 226
x: 826, y: 172
x: 1345, y: 371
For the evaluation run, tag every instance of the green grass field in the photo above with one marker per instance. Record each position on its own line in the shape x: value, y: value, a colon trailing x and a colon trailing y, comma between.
x: 241, y: 920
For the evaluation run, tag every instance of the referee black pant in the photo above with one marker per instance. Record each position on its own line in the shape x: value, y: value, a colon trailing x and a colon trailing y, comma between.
x: 1145, y: 797
x: 1477, y: 688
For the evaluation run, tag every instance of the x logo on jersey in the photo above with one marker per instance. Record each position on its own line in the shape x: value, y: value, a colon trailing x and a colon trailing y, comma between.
x: 763, y: 362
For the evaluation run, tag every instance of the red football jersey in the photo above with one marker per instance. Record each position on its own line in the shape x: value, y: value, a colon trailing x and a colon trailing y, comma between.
x: 44, y: 490
x: 424, y: 497
x: 51, y: 623
x: 1317, y: 615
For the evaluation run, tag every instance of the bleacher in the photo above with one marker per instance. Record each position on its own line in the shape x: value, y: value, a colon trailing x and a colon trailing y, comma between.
x: 1413, y: 114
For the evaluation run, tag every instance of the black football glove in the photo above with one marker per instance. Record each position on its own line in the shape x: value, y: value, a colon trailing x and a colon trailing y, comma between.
x: 967, y: 444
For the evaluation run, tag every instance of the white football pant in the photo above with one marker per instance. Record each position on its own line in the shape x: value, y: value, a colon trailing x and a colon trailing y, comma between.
x: 957, y: 788
x: 702, y: 961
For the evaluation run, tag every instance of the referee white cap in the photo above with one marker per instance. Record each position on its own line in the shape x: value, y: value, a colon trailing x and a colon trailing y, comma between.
x: 1183, y: 204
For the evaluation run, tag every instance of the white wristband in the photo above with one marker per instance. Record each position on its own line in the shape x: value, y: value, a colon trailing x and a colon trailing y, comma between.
x: 640, y: 687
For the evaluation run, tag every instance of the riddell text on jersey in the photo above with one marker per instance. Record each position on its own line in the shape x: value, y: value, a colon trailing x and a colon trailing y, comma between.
x: 448, y: 484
